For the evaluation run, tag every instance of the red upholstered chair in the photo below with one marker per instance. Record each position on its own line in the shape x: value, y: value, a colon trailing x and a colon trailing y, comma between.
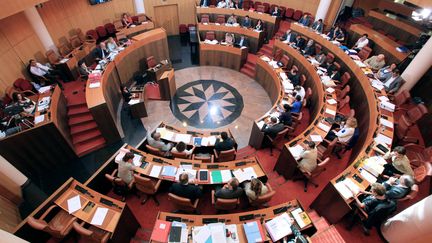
x: 205, y: 20
x: 260, y: 9
x: 302, y: 79
x: 419, y: 153
x: 91, y: 233
x: 256, y: 4
x: 118, y: 24
x: 422, y: 171
x: 262, y: 200
x: 92, y: 35
x: 58, y: 226
x: 289, y: 13
x: 183, y: 204
x: 81, y: 35
x: 183, y: 29
x: 401, y: 99
x: 337, y: 65
x: 101, y: 31
x: 110, y: 28
x: 416, y: 113
x: 64, y: 49
x: 326, y: 148
x: 381, y: 31
x: 266, y: 7
x: 224, y: 156
x: 151, y: 62
x: 308, y: 95
x: 340, y: 94
x: 278, y: 55
x: 246, y: 5
x: 210, y: 35
x: 401, y: 129
x: 276, y: 140
x: 154, y: 151
x: 23, y: 85
x: 342, y: 103
x: 285, y: 61
x: 134, y: 19
x: 147, y: 186
x: 364, y: 53
x: 220, y: 19
x: 297, y: 15
x: 308, y: 176
x: 75, y: 41
x: 222, y: 204
x: 141, y: 18
x: 282, y: 10
x: 344, y: 81
x: 391, y: 37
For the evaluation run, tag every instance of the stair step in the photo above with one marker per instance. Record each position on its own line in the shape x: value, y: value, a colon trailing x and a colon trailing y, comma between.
x: 330, y: 235
x: 321, y: 224
x: 89, y: 146
x: 248, y: 72
x: 80, y: 118
x: 75, y: 110
x: 83, y: 127
x: 77, y: 103
x: 82, y: 137
x: 249, y: 66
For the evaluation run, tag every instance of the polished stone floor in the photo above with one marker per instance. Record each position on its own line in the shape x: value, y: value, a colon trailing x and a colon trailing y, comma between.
x: 211, y: 98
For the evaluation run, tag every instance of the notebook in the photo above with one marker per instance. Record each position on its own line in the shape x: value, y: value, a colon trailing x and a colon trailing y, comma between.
x: 160, y: 231
x: 254, y: 231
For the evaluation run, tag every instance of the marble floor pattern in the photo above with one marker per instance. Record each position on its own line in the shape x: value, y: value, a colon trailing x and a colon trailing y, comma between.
x: 255, y: 101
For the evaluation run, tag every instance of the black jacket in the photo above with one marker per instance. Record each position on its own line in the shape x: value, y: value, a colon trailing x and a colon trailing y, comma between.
x: 286, y: 118
x: 224, y: 145
x: 188, y: 191
x: 273, y: 130
x: 295, y: 79
x: 229, y: 194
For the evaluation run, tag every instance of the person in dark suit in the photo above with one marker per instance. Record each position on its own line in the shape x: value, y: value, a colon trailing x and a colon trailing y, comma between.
x: 285, y: 116
x: 259, y: 26
x: 83, y: 70
x: 294, y: 77
x: 230, y: 190
x: 318, y: 26
x: 299, y: 42
x: 289, y: 37
x: 205, y: 3
x: 226, y: 144
x: 184, y: 189
x: 101, y: 52
x: 393, y: 83
x: 398, y: 188
x: 246, y: 23
x: 276, y: 12
x: 333, y: 32
x: 309, y: 49
x: 335, y: 75
x: 127, y: 95
x: 273, y: 128
x: 243, y: 42
x: 305, y: 20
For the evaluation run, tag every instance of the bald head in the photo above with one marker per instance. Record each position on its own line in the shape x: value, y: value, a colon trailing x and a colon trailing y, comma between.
x: 380, y: 57
x: 156, y: 136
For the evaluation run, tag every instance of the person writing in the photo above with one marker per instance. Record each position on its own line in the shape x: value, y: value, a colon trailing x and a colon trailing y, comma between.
x: 126, y: 169
x: 230, y: 190
x: 224, y: 142
x: 254, y: 189
x: 400, y: 163
x: 184, y: 189
x: 27, y: 105
x: 154, y: 140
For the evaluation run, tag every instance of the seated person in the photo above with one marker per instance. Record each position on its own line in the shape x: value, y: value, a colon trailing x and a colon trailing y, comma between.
x: 111, y: 45
x: 309, y: 49
x: 230, y: 190
x: 285, y: 116
x: 305, y: 20
x: 127, y: 95
x: 126, y: 168
x: 320, y: 58
x: 334, y: 31
x: 340, y: 36
x: 289, y: 37
x: 230, y: 4
x: 243, y: 42
x: 221, y: 4
x: 335, y: 75
x: 328, y: 64
x: 375, y: 62
x: 246, y: 23
x: 385, y: 72
x: 299, y: 90
x: 101, y: 52
x: 182, y: 148
x: 273, y: 128
x: 299, y: 43
x: 27, y: 105
x: 393, y: 83
x: 232, y: 19
x: 308, y: 158
x: 127, y: 20
x: 154, y: 140
x: 361, y: 42
x: 297, y: 105
x: 254, y: 189
x: 184, y: 189
x: 229, y: 39
x: 294, y: 76
x: 259, y: 26
x: 205, y: 3
x: 83, y: 70
x: 44, y: 71
x: 276, y: 12
x: 400, y: 163
x: 346, y: 131
x: 226, y: 144
x: 296, y: 236
x: 318, y: 26
x: 371, y: 203
x: 398, y: 188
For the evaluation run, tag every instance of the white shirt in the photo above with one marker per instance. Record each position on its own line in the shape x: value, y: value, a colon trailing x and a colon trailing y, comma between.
x: 390, y: 81
x: 362, y: 42
x: 187, y: 152
x: 221, y: 4
x: 301, y: 92
x: 39, y: 69
x: 345, y: 134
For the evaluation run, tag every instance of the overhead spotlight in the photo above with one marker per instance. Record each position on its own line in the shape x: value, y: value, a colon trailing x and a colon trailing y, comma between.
x: 213, y: 110
x: 184, y: 124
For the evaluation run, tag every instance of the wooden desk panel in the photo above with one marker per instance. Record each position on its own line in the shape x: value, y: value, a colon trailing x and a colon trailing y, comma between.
x: 222, y: 56
x: 398, y: 23
x: 135, y: 30
x: 255, y: 39
x: 383, y: 44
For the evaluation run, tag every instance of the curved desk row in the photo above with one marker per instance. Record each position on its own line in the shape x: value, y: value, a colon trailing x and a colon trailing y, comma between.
x: 271, y: 22
x: 262, y: 215
x: 330, y: 203
x: 103, y: 101
x: 31, y: 151
x: 395, y: 26
x: 222, y: 56
x: 382, y: 44
x: 255, y: 38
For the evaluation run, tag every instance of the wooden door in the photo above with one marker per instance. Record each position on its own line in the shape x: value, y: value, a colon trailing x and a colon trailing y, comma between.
x: 167, y: 17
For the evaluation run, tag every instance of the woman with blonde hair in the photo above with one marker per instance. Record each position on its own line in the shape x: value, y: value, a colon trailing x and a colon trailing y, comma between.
x: 254, y: 189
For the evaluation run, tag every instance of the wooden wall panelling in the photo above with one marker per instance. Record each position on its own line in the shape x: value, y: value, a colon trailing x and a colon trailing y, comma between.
x: 10, y: 215
x: 11, y: 7
x: 186, y: 9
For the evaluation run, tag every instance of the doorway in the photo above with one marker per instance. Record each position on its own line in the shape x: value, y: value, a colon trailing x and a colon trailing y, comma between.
x: 167, y: 18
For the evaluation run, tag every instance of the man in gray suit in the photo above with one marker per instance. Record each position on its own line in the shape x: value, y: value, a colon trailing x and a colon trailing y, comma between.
x: 318, y: 26
x: 393, y: 83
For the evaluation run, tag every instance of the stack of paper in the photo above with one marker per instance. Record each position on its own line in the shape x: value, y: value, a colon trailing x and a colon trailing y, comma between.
x: 360, y: 63
x: 288, y: 86
x: 316, y: 138
x: 331, y: 101
x: 165, y: 134
x: 374, y: 166
x: 99, y: 216
x: 260, y: 124
x: 74, y: 204
x: 245, y: 174
x: 169, y: 171
x: 180, y: 137
x: 301, y: 217
x: 386, y: 123
x: 137, y: 160
x: 226, y: 175
x: 201, y: 234
x: 388, y: 106
x: 296, y: 151
x: 380, y: 138
x: 324, y: 127
x: 178, y: 233
x: 368, y: 176
x: 265, y: 59
x: 383, y: 98
x: 279, y: 227
x: 343, y: 190
x: 330, y: 90
x: 283, y: 76
x: 39, y: 119
x: 211, y: 140
x: 377, y: 85
x: 254, y: 231
x: 131, y: 102
x: 352, y: 185
x: 155, y: 171
x: 330, y: 111
x: 218, y: 232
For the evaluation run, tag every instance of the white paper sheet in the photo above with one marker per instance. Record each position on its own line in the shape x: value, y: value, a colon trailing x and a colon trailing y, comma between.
x: 134, y: 101
x: 180, y: 137
x: 249, y: 173
x: 191, y: 173
x: 94, y: 85
x: 202, y: 234
x: 386, y: 123
x: 331, y: 101
x: 99, y: 216
x: 218, y: 232
x: 212, y: 140
x: 330, y: 90
x: 137, y: 160
x: 44, y: 89
x: 380, y: 138
x: 155, y: 171
x: 39, y: 119
x: 368, y: 176
x: 74, y: 204
x: 296, y: 214
x: 233, y: 229
x: 383, y: 98
x: 330, y: 111
x: 324, y: 127
x: 279, y: 227
x: 226, y: 175
x: 260, y: 124
x: 316, y: 138
x: 343, y: 189
x: 296, y: 151
x: 351, y: 185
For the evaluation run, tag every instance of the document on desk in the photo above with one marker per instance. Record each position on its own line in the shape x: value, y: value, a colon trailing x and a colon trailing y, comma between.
x: 260, y: 124
x: 380, y: 138
x: 301, y: 217
x: 191, y: 173
x: 212, y: 140
x: 386, y: 122
x: 232, y: 229
x: 226, y: 175
x: 331, y: 101
x: 279, y: 227
x: 218, y: 233
x: 137, y: 160
x: 99, y: 216
x: 368, y: 176
x: 155, y: 171
x: 169, y: 171
x: 296, y: 151
x: 180, y: 137
x: 352, y: 185
x: 330, y: 90
x: 343, y: 190
x: 205, y: 141
x: 201, y: 234
x: 360, y: 63
x: 383, y: 98
x: 377, y: 85
x: 44, y: 89
x: 94, y: 85
x: 39, y: 119
x: 330, y: 111
x: 74, y: 204
x: 324, y: 127
x: 316, y: 138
